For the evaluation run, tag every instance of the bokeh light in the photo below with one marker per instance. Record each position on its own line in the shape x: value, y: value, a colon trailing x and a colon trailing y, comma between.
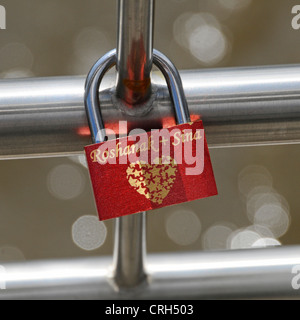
x: 208, y: 44
x: 263, y: 231
x: 261, y: 196
x: 267, y: 208
x: 64, y: 40
x: 216, y: 237
x: 88, y: 46
x: 15, y: 56
x: 253, y: 176
x: 203, y: 36
x: 16, y: 73
x: 243, y: 239
x: 183, y: 227
x: 11, y: 254
x: 89, y: 233
x: 274, y: 217
x: 266, y: 242
x: 65, y: 182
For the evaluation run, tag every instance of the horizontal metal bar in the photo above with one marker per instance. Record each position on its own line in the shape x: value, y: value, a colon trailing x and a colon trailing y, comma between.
x: 247, y: 106
x: 263, y: 273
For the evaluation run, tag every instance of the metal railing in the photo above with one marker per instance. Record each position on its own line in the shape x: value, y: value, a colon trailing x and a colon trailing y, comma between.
x: 133, y: 89
x: 239, y: 107
x: 248, y: 106
x: 265, y: 273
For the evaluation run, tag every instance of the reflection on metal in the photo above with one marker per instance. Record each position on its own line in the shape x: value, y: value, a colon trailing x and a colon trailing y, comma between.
x: 265, y: 273
x: 176, y: 92
x: 130, y: 252
x: 130, y: 239
x: 94, y: 79
x: 91, y: 96
x: 135, y: 48
x: 247, y: 106
x: 133, y: 90
x: 44, y: 117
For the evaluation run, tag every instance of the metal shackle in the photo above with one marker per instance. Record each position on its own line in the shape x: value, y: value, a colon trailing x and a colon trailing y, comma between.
x: 95, y: 76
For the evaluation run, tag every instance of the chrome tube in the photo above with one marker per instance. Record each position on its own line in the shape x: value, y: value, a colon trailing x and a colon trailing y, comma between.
x: 135, y: 49
x: 254, y: 273
x: 130, y: 239
x: 244, y: 106
x: 130, y: 252
x: 133, y: 90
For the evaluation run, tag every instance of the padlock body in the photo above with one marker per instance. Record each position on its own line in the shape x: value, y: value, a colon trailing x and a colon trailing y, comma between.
x: 151, y: 170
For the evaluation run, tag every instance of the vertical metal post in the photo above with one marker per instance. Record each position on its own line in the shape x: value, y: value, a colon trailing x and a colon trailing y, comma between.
x: 135, y: 56
x: 130, y: 251
x: 135, y: 51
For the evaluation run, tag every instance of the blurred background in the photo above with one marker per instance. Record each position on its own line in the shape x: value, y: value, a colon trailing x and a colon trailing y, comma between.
x: 46, y: 205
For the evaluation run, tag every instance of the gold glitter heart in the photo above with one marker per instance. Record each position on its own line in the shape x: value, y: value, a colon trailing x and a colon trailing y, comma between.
x: 154, y: 181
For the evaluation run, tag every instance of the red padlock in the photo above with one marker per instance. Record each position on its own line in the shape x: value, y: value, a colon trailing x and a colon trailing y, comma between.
x: 150, y: 170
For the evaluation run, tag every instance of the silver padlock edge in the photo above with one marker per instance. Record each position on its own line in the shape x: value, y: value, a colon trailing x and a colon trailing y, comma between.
x: 105, y: 63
